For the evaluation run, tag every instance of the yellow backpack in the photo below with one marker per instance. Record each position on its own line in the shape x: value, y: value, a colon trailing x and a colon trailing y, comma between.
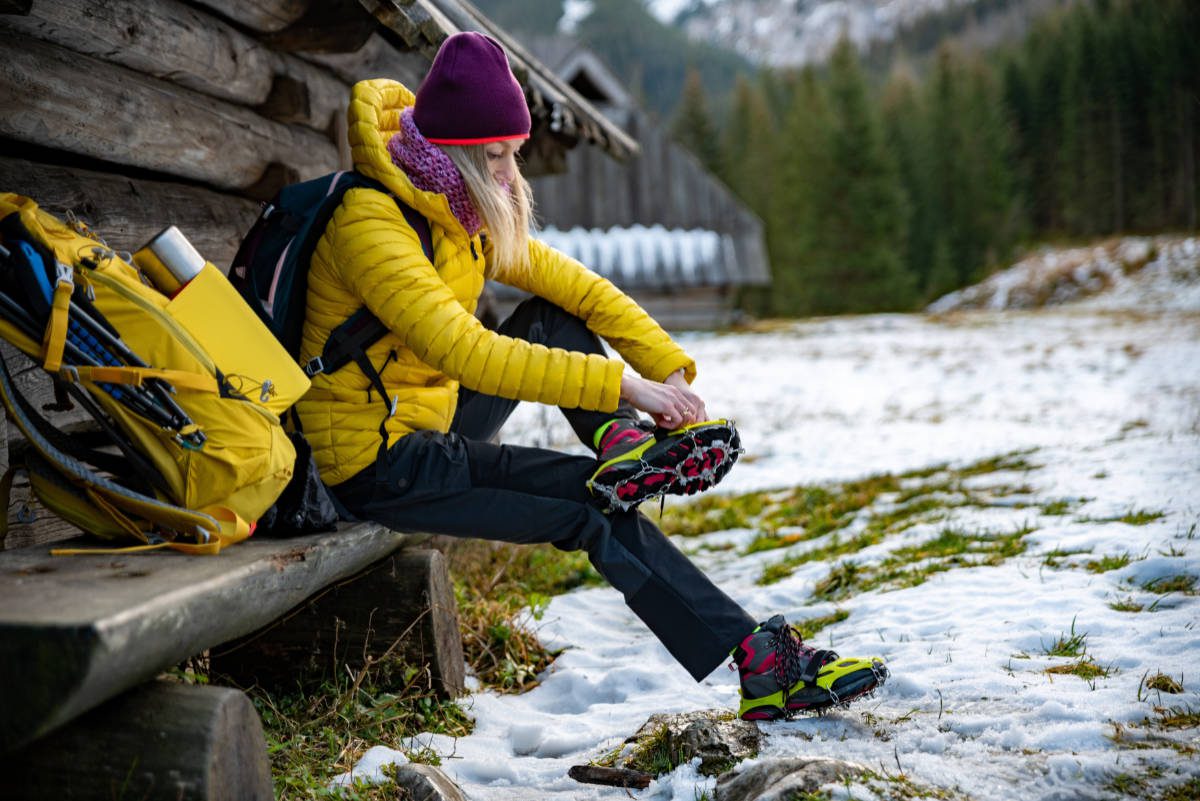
x: 189, y: 389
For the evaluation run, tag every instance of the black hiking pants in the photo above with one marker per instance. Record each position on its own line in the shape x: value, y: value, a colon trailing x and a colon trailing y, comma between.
x: 463, y: 485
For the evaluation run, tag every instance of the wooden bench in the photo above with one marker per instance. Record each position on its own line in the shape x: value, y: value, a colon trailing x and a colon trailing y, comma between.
x: 82, y: 639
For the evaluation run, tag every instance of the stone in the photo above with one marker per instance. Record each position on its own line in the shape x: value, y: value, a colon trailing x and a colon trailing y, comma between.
x: 784, y: 778
x: 714, y: 735
x: 427, y: 783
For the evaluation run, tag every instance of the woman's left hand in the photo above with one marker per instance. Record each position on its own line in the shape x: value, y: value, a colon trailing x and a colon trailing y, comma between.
x: 695, y: 411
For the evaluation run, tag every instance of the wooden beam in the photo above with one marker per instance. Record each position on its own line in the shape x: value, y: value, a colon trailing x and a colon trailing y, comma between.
x: 77, y: 631
x: 260, y: 15
x: 161, y: 741
x: 402, y: 607
x: 127, y: 212
x: 333, y: 26
x: 59, y: 99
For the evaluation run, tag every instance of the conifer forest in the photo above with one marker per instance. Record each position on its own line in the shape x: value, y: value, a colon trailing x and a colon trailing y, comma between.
x: 887, y: 179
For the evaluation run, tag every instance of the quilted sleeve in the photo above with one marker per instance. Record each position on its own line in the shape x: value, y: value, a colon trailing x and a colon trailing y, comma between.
x: 381, y: 260
x: 607, y: 310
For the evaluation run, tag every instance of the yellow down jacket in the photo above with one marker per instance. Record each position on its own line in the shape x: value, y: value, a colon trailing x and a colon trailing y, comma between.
x: 370, y: 256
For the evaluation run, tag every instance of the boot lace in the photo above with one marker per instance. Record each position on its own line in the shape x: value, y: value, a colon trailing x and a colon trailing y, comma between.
x: 792, y: 656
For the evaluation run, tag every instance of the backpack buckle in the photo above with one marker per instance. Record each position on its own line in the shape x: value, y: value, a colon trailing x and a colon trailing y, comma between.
x: 314, y: 366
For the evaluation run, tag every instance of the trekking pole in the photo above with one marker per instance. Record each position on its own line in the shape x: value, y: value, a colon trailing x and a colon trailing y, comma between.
x: 161, y: 388
x: 76, y: 355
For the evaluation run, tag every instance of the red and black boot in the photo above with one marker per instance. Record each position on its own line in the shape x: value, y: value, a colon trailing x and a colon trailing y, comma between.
x: 782, y: 676
x: 638, y: 463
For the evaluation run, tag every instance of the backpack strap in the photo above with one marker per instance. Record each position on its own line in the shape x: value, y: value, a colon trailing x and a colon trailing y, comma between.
x: 349, y: 341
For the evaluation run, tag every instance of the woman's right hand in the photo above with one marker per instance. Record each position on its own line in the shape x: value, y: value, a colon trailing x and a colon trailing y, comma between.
x: 670, y: 406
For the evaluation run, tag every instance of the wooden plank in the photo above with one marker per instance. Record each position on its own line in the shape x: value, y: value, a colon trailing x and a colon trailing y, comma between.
x: 76, y: 631
x: 173, y: 41
x: 402, y: 607
x: 127, y: 212
x: 162, y: 741
x: 55, y: 98
x: 260, y: 15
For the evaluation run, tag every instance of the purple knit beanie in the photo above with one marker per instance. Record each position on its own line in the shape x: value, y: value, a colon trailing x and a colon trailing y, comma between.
x: 470, y: 96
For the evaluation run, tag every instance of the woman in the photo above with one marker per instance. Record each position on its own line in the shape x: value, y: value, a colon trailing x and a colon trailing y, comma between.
x: 449, y: 152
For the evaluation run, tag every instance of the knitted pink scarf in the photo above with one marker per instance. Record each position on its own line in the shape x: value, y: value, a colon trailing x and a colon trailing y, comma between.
x: 431, y: 170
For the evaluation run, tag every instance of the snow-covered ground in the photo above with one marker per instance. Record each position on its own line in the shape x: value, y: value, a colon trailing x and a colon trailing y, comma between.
x: 1105, y: 403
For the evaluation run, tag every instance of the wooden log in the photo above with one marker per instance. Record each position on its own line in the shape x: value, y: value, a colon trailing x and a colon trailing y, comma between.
x: 332, y: 26
x: 402, y: 607
x: 260, y: 15
x: 127, y: 212
x: 53, y: 97
x: 377, y: 58
x: 161, y: 741
x: 613, y: 777
x: 76, y: 631
x: 173, y: 41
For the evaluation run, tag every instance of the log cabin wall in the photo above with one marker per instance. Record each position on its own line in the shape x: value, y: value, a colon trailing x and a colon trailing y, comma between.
x: 133, y: 115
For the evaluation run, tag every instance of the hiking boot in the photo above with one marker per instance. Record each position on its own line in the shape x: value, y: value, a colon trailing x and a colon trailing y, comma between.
x: 782, y: 676
x: 637, y: 465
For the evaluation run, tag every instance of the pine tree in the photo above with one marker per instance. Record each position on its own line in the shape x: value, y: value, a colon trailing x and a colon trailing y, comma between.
x: 694, y: 127
x: 858, y: 211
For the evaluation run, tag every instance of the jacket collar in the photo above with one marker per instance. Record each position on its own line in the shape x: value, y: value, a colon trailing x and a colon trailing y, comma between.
x: 374, y: 117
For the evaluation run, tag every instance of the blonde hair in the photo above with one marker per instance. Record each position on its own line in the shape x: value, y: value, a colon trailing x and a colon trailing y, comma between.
x: 507, y: 216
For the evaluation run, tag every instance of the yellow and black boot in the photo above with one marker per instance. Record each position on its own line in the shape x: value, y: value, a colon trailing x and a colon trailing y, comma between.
x: 782, y: 676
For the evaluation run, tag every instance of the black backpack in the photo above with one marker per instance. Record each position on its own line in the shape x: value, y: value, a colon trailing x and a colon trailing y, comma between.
x: 271, y: 270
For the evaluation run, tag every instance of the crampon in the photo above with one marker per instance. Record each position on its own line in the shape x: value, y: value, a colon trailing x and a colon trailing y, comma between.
x: 680, y: 462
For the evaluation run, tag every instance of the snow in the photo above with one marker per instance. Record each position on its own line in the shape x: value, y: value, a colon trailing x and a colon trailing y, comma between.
x: 1104, y: 400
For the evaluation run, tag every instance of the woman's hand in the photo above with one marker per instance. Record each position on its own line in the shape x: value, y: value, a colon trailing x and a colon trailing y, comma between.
x: 672, y: 404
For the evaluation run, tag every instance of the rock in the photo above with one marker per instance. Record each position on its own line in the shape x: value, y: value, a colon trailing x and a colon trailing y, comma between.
x: 714, y: 735
x: 427, y: 783
x: 783, y: 779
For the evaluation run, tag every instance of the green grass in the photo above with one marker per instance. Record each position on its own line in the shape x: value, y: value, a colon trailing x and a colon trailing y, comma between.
x: 1108, y: 562
x: 1187, y: 791
x: 1134, y: 517
x: 1055, y: 557
x: 502, y: 590
x: 1084, y: 668
x: 1178, y: 717
x: 314, y: 736
x: 808, y: 627
x: 1126, y: 604
x: 913, y: 565
x: 1068, y: 644
x: 788, y: 516
x: 1183, y: 583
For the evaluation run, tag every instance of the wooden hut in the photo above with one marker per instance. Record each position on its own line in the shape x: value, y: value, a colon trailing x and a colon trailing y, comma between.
x: 136, y: 115
x: 132, y: 115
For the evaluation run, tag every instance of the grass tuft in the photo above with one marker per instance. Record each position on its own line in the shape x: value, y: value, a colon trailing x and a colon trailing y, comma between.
x: 1073, y: 644
x: 1107, y: 562
x: 1183, y: 583
x: 1084, y: 668
x: 1163, y: 683
x: 1126, y: 604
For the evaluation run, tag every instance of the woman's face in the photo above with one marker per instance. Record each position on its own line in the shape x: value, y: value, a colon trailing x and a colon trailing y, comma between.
x: 502, y: 161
